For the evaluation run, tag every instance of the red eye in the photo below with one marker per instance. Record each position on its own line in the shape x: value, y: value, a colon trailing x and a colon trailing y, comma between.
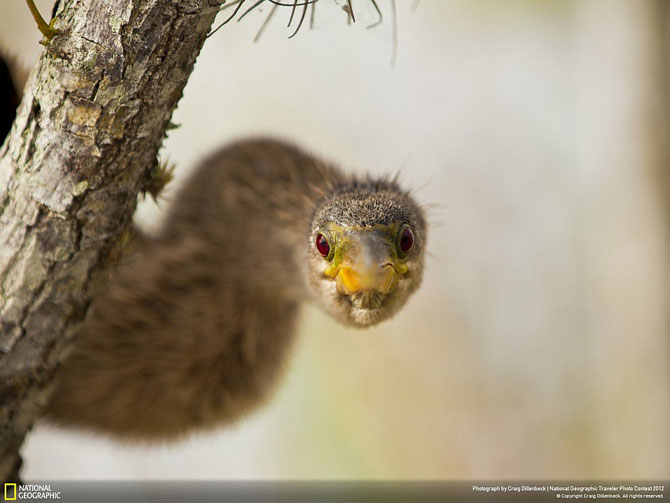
x: 406, y: 240
x: 322, y: 245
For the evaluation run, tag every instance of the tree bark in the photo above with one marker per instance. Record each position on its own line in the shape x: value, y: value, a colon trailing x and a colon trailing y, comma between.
x: 85, y: 138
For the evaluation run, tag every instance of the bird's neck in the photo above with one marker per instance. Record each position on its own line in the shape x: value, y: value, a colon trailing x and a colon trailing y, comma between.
x: 253, y: 203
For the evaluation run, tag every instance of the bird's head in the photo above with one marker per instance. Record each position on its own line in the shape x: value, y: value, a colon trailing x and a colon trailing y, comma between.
x: 366, y: 251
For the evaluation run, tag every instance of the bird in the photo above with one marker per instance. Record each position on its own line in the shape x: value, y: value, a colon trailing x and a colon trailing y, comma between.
x: 197, y: 322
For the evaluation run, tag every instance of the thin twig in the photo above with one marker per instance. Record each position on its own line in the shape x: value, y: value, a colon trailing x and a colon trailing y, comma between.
x: 274, y: 2
x: 302, y: 18
x: 350, y: 10
x: 46, y: 30
x: 265, y: 23
x: 239, y: 6
x: 250, y: 9
x: 379, y: 13
x: 290, y: 19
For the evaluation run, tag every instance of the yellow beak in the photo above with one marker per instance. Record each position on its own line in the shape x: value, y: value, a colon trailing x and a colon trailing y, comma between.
x: 367, y: 263
x: 351, y: 280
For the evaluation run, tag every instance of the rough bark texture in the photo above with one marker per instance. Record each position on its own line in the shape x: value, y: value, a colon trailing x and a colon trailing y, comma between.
x: 84, y: 140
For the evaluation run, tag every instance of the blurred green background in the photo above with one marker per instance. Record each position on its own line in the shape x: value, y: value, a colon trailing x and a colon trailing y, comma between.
x: 538, y: 345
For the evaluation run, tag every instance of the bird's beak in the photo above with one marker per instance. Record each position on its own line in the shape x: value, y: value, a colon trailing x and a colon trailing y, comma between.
x: 351, y: 280
x: 367, y: 265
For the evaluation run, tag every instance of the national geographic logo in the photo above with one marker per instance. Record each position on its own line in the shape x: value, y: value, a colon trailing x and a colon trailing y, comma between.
x: 32, y: 492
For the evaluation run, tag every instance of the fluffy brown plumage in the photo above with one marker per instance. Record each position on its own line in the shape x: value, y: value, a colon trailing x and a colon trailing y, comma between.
x: 195, y: 326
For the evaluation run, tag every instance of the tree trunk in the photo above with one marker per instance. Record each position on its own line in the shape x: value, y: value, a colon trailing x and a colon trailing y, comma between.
x: 84, y: 141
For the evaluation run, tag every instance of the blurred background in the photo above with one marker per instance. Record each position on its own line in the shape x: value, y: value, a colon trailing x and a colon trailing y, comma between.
x: 538, y: 345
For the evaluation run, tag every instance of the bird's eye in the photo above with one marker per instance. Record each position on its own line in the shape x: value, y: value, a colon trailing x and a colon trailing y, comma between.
x: 322, y: 245
x: 406, y: 239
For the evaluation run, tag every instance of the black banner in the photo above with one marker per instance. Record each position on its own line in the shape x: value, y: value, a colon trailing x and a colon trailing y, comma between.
x: 335, y: 492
